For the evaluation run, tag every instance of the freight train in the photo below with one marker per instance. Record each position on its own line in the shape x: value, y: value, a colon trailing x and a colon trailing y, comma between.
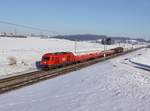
x: 59, y: 59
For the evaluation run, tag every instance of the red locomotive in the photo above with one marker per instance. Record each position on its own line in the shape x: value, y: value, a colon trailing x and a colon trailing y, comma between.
x: 53, y: 60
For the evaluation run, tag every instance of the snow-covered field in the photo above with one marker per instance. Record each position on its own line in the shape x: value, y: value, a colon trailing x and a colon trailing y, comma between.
x: 26, y: 51
x: 143, y: 58
x: 112, y: 85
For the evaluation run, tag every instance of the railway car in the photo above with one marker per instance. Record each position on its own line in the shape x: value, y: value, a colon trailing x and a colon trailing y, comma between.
x: 118, y: 49
x: 89, y: 56
x: 109, y: 53
x: 51, y: 60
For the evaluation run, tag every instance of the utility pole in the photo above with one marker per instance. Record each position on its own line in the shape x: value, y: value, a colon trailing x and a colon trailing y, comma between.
x: 75, y: 46
x: 124, y: 46
x: 104, y: 49
x: 119, y: 43
x: 132, y: 46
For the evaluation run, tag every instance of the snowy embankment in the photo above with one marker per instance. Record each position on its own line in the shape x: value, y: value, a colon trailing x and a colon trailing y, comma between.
x: 18, y: 55
x: 112, y: 85
x: 142, y: 59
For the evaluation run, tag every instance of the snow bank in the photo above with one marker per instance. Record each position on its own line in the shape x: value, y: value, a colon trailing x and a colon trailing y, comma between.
x: 142, y: 59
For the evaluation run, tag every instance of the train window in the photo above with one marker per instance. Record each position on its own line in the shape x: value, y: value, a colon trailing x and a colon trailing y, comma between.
x: 45, y: 58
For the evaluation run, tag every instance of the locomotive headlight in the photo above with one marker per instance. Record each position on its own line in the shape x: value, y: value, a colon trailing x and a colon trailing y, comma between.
x: 44, y: 62
x: 63, y: 59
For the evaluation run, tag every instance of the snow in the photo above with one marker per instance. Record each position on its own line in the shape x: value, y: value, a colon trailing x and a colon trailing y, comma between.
x: 26, y: 51
x: 112, y: 85
x: 143, y: 58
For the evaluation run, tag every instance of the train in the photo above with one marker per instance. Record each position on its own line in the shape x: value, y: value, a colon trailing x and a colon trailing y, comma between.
x: 59, y: 59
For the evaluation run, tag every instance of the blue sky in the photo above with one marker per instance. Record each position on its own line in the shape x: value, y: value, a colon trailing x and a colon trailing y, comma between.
x: 109, y: 17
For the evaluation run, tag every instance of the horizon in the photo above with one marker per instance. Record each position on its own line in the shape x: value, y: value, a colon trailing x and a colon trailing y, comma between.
x: 105, y: 17
x: 51, y: 36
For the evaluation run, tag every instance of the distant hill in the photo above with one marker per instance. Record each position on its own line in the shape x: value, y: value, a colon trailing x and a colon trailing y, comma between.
x: 85, y: 37
x: 90, y: 37
x: 13, y: 36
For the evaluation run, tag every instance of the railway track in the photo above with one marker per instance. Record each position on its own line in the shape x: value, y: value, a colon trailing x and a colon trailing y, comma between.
x: 11, y: 83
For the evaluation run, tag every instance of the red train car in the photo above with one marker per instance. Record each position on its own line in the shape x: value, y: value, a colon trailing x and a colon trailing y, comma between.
x: 118, y: 49
x: 92, y: 55
x: 108, y: 53
x: 51, y: 60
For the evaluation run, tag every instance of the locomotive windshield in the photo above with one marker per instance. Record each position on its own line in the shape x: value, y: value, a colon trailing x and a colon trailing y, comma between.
x: 46, y: 58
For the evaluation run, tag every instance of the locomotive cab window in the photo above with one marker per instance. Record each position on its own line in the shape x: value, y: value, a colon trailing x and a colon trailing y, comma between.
x: 45, y: 58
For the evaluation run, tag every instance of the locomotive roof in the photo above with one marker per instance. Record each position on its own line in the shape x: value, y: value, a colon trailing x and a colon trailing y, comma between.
x: 58, y: 53
x: 62, y: 52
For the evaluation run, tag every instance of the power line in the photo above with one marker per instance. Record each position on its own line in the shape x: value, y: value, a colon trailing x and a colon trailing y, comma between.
x: 29, y: 27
